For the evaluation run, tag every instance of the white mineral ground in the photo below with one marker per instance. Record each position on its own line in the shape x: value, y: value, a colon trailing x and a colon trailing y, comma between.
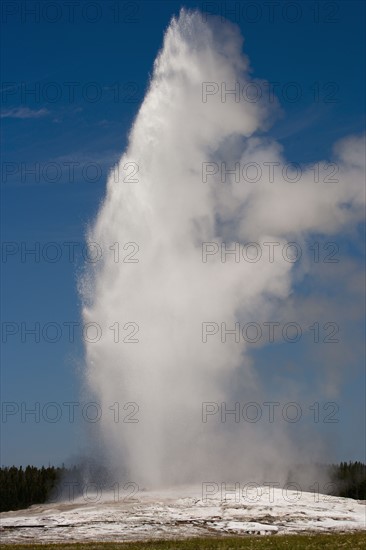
x: 182, y: 513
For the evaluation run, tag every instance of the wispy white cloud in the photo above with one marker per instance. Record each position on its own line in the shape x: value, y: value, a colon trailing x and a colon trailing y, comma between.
x: 24, y: 112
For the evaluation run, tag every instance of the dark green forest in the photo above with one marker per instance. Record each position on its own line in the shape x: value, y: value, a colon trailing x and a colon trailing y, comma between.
x: 22, y: 487
x: 19, y: 488
x: 350, y: 479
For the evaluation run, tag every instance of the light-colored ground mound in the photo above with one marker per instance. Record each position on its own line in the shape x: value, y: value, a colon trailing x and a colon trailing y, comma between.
x: 184, y: 512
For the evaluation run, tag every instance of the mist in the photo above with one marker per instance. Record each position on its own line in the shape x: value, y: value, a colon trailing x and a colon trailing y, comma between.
x: 167, y: 197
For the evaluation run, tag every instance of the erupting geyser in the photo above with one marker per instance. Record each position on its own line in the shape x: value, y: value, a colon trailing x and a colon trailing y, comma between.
x: 153, y: 361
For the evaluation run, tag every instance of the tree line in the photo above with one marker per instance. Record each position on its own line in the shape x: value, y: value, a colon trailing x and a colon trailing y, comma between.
x: 349, y: 479
x: 20, y: 488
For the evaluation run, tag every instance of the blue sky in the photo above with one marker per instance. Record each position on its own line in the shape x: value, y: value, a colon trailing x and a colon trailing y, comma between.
x: 46, y: 127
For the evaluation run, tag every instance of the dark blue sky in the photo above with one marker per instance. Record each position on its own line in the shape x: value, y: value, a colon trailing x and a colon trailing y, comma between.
x: 71, y: 86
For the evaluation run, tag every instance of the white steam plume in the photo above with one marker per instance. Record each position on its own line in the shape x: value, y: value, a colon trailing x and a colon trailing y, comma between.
x: 169, y: 212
